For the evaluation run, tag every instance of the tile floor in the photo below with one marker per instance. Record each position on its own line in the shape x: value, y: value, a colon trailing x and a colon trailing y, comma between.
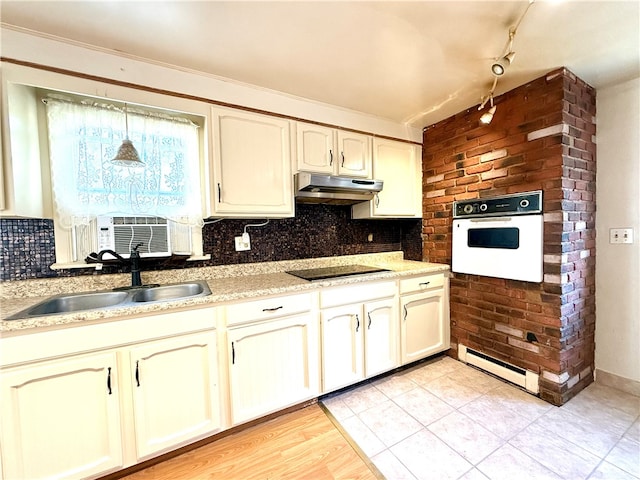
x: 446, y: 420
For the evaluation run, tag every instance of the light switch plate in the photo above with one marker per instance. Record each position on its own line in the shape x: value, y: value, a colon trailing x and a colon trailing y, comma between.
x: 241, y: 245
x: 621, y: 235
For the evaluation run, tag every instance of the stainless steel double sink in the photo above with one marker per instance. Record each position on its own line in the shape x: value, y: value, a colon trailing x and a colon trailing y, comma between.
x: 76, y: 302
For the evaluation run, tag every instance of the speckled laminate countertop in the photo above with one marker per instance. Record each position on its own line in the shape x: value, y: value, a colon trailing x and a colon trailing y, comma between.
x: 227, y: 283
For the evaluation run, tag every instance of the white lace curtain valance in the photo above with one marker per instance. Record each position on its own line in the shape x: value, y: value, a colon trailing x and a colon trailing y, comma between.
x: 83, y: 139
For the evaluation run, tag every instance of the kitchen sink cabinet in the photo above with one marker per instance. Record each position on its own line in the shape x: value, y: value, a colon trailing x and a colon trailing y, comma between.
x: 424, y: 317
x: 61, y: 418
x: 175, y: 391
x: 360, y: 339
x: 332, y: 151
x: 399, y: 165
x: 273, y: 362
x: 85, y: 401
x: 251, y: 165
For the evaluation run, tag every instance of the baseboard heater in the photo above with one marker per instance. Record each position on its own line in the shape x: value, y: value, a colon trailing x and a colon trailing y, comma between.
x: 519, y: 376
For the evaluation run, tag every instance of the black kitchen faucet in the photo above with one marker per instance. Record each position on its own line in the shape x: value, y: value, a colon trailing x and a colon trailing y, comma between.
x: 134, y: 261
x: 135, y: 266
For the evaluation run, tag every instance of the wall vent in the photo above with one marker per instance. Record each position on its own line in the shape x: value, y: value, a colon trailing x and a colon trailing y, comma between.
x: 511, y: 373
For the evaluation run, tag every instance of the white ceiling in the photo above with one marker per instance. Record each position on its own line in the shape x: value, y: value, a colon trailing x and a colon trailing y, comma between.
x: 414, y: 62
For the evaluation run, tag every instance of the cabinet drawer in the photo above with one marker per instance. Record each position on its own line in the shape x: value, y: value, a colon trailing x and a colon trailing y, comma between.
x: 266, y: 308
x: 332, y: 297
x: 419, y: 284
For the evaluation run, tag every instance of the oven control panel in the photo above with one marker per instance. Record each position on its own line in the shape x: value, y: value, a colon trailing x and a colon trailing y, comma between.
x: 516, y: 204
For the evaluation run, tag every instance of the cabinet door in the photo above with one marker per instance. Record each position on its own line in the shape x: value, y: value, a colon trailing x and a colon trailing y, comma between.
x: 396, y: 164
x: 342, y: 344
x: 399, y: 165
x: 252, y: 165
x: 316, y: 150
x: 175, y: 391
x: 380, y: 336
x: 25, y: 187
x: 272, y: 365
x: 354, y: 154
x: 61, y: 419
x: 423, y: 325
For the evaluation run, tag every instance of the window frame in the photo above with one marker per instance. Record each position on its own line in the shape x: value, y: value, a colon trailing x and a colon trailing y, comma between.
x: 36, y: 80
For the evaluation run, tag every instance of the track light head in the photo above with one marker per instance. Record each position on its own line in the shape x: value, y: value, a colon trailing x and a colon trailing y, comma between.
x: 500, y: 66
x: 487, y: 116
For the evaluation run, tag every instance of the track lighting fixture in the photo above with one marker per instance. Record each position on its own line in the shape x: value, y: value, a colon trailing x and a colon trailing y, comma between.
x: 500, y: 65
x: 487, y: 116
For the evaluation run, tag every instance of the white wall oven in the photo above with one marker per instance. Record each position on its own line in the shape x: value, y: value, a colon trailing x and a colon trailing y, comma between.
x: 499, y: 237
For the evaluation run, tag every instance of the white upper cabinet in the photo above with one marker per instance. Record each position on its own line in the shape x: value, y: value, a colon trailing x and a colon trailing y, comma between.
x: 24, y: 178
x: 399, y: 166
x: 251, y: 165
x: 332, y: 151
x: 354, y: 154
x: 316, y: 148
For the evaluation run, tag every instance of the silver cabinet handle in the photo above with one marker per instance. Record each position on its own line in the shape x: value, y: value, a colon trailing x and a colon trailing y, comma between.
x: 424, y: 283
x: 342, y: 153
x: 358, y: 323
x: 369, y: 315
x: 405, y: 312
x: 330, y: 157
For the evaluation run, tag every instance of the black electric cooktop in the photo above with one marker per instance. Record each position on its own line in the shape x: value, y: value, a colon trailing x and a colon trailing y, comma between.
x: 334, y: 272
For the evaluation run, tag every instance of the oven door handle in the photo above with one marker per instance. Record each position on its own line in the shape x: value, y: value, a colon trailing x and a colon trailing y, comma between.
x: 492, y: 220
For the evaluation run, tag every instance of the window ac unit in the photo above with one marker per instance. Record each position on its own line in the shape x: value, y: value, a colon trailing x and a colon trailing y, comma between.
x: 121, y: 234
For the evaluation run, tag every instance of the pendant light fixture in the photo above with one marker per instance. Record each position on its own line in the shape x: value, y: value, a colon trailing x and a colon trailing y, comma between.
x: 127, y: 155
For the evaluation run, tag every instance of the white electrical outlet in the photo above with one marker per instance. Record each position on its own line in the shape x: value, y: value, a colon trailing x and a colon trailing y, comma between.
x: 621, y: 235
x: 242, y: 244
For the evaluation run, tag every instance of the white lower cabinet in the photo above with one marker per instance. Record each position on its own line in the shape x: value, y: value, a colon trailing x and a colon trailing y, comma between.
x: 342, y: 345
x: 82, y: 402
x: 175, y: 391
x: 424, y: 317
x: 61, y: 418
x: 359, y: 340
x: 380, y: 336
x: 67, y: 414
x: 272, y: 363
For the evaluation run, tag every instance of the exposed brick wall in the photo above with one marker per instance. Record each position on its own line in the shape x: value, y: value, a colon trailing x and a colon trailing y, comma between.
x: 541, y: 138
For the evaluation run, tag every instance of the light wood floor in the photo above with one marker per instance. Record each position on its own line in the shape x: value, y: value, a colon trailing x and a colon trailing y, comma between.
x: 304, y: 444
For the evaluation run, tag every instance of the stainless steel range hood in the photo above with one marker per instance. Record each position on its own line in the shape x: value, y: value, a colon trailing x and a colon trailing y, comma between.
x: 331, y: 189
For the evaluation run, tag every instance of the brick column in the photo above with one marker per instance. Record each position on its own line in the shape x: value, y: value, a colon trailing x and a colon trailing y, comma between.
x: 541, y: 138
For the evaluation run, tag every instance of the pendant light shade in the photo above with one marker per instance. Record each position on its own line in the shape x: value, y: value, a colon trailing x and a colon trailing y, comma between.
x: 127, y: 155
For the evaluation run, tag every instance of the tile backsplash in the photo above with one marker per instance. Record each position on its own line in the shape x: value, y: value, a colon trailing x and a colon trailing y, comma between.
x: 315, y: 231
